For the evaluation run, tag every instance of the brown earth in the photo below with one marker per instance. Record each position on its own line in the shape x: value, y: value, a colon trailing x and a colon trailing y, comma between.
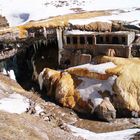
x: 27, y: 127
x: 50, y: 124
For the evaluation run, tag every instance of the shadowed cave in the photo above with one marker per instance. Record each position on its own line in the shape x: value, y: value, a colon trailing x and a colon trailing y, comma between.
x: 33, y: 59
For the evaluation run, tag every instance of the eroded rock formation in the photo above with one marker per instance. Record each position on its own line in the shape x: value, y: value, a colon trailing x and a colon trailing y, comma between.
x: 127, y: 84
x: 89, y: 90
x: 85, y: 92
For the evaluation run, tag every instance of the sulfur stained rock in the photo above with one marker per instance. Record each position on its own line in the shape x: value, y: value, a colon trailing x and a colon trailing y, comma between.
x: 92, y: 71
x: 83, y: 94
x: 127, y: 84
x: 106, y: 110
x: 64, y: 93
x: 85, y: 90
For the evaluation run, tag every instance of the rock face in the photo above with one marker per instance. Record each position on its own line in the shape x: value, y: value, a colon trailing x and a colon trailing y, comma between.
x: 89, y: 90
x: 105, y: 110
x: 96, y: 26
x: 127, y: 85
x: 83, y: 94
x: 65, y: 90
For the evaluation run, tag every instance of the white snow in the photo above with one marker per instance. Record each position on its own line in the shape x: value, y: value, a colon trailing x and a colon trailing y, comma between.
x: 90, y: 88
x: 131, y: 17
x: 100, y: 68
x: 89, y: 20
x: 77, y: 32
x: 117, y: 135
x: 20, y: 11
x: 15, y: 103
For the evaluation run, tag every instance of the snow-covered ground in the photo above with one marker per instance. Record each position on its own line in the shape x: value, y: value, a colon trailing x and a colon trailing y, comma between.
x: 20, y: 11
x: 130, y: 16
x: 117, y: 135
x: 16, y: 103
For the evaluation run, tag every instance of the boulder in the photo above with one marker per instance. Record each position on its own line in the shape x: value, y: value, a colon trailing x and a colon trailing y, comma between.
x: 92, y: 71
x: 64, y: 92
x: 85, y: 87
x: 106, y: 110
x: 84, y: 92
x: 127, y: 84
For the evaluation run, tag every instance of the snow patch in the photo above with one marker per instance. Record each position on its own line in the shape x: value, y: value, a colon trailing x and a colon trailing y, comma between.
x: 117, y: 135
x: 100, y: 68
x: 15, y: 103
x: 90, y: 89
x: 77, y: 32
x: 131, y: 17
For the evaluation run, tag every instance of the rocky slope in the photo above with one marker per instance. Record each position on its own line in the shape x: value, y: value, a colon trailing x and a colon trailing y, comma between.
x: 42, y: 119
x: 13, y: 126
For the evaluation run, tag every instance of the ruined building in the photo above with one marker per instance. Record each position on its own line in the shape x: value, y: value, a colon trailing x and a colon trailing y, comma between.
x: 32, y: 47
x: 81, y: 46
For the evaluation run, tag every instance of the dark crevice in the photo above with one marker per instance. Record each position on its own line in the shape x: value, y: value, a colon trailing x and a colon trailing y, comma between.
x: 43, y: 55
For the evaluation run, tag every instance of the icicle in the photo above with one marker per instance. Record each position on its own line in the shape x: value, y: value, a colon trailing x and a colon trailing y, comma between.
x: 44, y: 32
x: 40, y: 79
x: 40, y: 42
x: 44, y: 42
x: 60, y: 42
x: 59, y: 38
x: 18, y: 45
x: 34, y: 45
x: 35, y: 74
